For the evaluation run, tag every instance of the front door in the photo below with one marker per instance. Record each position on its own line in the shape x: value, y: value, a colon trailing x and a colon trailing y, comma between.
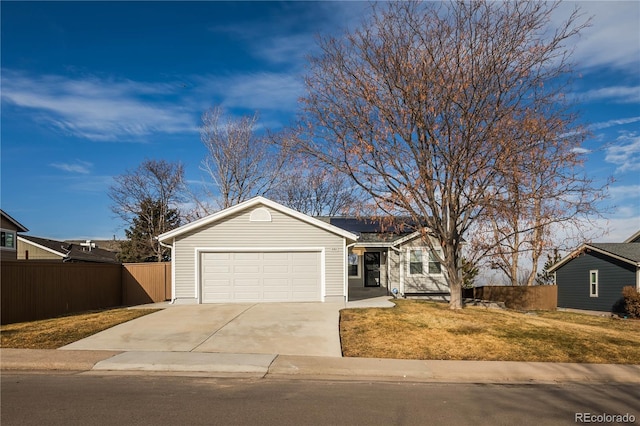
x: 372, y: 269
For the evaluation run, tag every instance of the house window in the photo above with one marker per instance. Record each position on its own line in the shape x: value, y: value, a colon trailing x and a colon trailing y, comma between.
x: 593, y: 283
x: 8, y: 240
x: 434, y: 265
x: 415, y: 262
x: 353, y: 265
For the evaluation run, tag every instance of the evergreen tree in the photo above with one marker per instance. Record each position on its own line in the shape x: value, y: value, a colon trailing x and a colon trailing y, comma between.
x: 152, y: 220
x: 544, y: 277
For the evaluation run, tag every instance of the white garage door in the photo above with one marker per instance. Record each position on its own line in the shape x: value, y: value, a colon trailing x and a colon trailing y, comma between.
x: 260, y: 276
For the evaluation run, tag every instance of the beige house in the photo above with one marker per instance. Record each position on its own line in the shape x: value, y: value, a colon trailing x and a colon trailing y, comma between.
x: 36, y: 248
x: 262, y: 251
x: 9, y: 228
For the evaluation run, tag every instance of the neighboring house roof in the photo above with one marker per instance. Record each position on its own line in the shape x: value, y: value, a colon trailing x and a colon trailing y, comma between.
x: 19, y: 227
x: 625, y: 252
x: 71, y: 251
x: 628, y: 251
x: 256, y: 201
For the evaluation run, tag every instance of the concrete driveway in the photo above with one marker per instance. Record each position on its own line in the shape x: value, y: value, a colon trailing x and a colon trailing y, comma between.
x: 309, y: 329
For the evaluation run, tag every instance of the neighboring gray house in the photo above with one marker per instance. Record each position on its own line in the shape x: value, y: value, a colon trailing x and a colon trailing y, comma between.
x: 260, y: 250
x: 592, y: 277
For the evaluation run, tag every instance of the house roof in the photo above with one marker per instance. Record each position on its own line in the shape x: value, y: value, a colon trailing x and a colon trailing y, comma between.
x: 635, y: 238
x: 71, y: 251
x: 368, y: 229
x: 629, y: 251
x: 20, y: 227
x: 374, y: 232
x: 252, y: 203
x: 625, y: 252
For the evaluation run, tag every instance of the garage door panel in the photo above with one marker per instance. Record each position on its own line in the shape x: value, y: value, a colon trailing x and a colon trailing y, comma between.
x: 276, y: 269
x: 260, y: 276
x: 249, y: 268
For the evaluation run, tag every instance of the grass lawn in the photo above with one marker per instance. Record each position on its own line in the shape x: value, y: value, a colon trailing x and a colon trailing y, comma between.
x: 429, y: 330
x: 57, y: 332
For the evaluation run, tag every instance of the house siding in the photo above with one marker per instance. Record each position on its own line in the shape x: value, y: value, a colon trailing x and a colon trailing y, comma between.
x: 35, y: 253
x: 237, y: 231
x: 8, y: 253
x: 573, y: 282
x: 425, y: 283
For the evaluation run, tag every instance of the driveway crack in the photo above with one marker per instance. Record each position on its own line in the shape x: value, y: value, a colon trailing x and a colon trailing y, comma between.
x: 220, y: 328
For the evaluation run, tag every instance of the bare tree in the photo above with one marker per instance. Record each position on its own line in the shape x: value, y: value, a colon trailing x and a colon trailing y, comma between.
x: 544, y: 206
x: 240, y: 163
x: 426, y: 105
x: 316, y: 191
x: 155, y: 183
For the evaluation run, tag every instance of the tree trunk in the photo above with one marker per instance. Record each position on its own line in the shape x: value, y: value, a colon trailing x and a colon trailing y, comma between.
x: 455, y: 287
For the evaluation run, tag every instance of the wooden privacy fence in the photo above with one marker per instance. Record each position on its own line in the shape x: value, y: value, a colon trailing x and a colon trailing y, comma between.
x: 524, y: 298
x: 33, y: 290
x: 145, y: 283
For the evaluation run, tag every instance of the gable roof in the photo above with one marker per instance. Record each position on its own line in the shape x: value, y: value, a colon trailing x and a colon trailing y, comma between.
x: 20, y: 227
x: 625, y: 252
x: 71, y: 251
x: 52, y: 246
x: 215, y: 217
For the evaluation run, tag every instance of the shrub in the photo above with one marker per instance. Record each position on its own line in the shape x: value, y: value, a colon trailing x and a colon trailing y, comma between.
x: 631, y: 301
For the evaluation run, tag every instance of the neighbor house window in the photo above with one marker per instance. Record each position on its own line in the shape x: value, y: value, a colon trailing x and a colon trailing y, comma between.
x: 415, y: 262
x: 434, y: 265
x: 353, y: 265
x: 593, y: 283
x: 8, y: 240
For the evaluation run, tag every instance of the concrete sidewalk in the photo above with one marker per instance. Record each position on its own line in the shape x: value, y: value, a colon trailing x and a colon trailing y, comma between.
x: 311, y: 367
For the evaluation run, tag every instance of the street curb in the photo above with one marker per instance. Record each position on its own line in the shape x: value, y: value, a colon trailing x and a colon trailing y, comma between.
x: 51, y: 359
x: 312, y: 367
x: 187, y: 362
x: 453, y: 371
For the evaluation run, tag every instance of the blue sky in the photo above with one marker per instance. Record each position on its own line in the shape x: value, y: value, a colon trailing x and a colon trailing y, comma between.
x: 90, y: 90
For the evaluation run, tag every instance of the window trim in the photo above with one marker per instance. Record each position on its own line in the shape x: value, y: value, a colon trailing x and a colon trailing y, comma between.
x: 425, y: 262
x: 358, y: 267
x: 429, y: 262
x: 15, y: 239
x: 593, y: 273
x: 420, y: 250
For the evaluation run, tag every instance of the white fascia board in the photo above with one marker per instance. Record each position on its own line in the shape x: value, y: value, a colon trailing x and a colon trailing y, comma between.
x: 26, y: 241
x: 406, y: 238
x: 633, y: 237
x: 250, y: 203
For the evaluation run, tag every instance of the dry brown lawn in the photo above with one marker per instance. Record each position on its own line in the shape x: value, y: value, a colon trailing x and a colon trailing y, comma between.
x: 429, y: 330
x: 57, y: 332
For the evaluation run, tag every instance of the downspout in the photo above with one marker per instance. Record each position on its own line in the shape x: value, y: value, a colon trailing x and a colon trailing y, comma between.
x: 397, y: 250
x: 170, y: 247
x: 346, y: 273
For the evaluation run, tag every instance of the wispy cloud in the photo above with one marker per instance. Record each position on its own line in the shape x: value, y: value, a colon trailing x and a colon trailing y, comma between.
x: 612, y: 40
x: 98, y: 109
x: 82, y: 167
x: 625, y: 153
x: 611, y: 123
x: 581, y: 150
x: 266, y: 92
x: 617, y: 94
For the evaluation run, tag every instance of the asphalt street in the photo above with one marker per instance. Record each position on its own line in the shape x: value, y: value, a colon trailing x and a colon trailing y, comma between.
x: 39, y: 398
